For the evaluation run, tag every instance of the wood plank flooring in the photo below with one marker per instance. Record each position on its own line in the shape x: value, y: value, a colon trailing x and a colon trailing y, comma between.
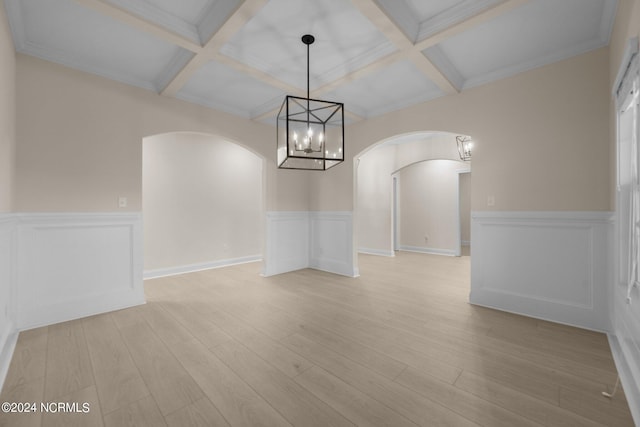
x: 398, y: 346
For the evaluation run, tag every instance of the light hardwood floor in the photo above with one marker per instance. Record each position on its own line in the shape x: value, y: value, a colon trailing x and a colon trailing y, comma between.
x: 398, y: 346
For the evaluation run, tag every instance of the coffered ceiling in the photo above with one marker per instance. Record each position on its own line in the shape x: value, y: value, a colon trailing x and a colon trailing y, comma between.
x: 242, y: 57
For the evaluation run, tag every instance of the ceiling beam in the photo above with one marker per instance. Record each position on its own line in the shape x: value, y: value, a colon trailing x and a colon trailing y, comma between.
x: 247, y: 10
x: 472, y: 21
x: 372, y: 11
x: 361, y: 72
x: 142, y: 24
x: 383, y: 23
x: 257, y: 74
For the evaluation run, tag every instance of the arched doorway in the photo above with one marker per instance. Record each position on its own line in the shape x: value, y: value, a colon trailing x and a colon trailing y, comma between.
x: 374, y: 197
x: 203, y: 203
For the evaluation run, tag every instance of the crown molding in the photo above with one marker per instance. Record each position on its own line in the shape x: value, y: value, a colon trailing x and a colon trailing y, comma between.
x: 454, y: 15
x: 152, y: 13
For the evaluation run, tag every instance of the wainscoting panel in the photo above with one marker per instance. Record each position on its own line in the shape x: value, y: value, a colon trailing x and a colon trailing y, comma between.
x: 287, y: 237
x: 75, y: 265
x: 548, y: 265
x: 8, y: 333
x: 331, y: 246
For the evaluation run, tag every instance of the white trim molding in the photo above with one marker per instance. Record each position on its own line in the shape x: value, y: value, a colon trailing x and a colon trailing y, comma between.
x: 72, y: 265
x: 191, y: 268
x: 426, y: 250
x: 548, y: 265
x: 378, y: 252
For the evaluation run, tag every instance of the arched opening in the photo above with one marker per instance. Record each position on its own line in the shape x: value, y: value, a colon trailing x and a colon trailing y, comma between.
x: 203, y: 203
x: 378, y: 196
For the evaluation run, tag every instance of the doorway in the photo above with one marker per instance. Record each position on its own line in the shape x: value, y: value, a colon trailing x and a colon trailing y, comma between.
x: 192, y: 221
x: 431, y: 207
x: 377, y: 188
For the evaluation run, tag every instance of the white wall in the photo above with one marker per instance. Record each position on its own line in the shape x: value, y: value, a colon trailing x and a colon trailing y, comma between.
x: 465, y: 208
x: 374, y: 200
x: 429, y: 206
x: 202, y: 203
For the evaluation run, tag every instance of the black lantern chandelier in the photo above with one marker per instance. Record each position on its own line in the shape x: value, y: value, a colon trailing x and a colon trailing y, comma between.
x: 310, y: 131
x: 465, y: 144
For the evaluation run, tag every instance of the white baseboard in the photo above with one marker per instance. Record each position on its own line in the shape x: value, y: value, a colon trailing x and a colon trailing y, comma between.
x: 425, y: 250
x: 548, y: 265
x: 379, y: 252
x: 190, y: 268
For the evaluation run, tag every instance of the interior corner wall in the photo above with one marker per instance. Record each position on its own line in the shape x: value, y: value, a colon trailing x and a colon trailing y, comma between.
x: 7, y: 173
x: 202, y: 203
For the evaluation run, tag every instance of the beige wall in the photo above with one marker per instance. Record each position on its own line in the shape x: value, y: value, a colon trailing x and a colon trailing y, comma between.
x: 7, y: 114
x: 373, y: 213
x: 202, y: 200
x: 541, y: 138
x: 428, y: 203
x: 80, y: 140
x: 465, y: 207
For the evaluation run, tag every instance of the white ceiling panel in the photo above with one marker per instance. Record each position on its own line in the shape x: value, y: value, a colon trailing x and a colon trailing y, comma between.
x: 538, y: 33
x: 388, y: 89
x: 194, y: 19
x: 420, y: 19
x: 218, y: 86
x: 241, y: 56
x: 63, y: 31
x: 345, y: 41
